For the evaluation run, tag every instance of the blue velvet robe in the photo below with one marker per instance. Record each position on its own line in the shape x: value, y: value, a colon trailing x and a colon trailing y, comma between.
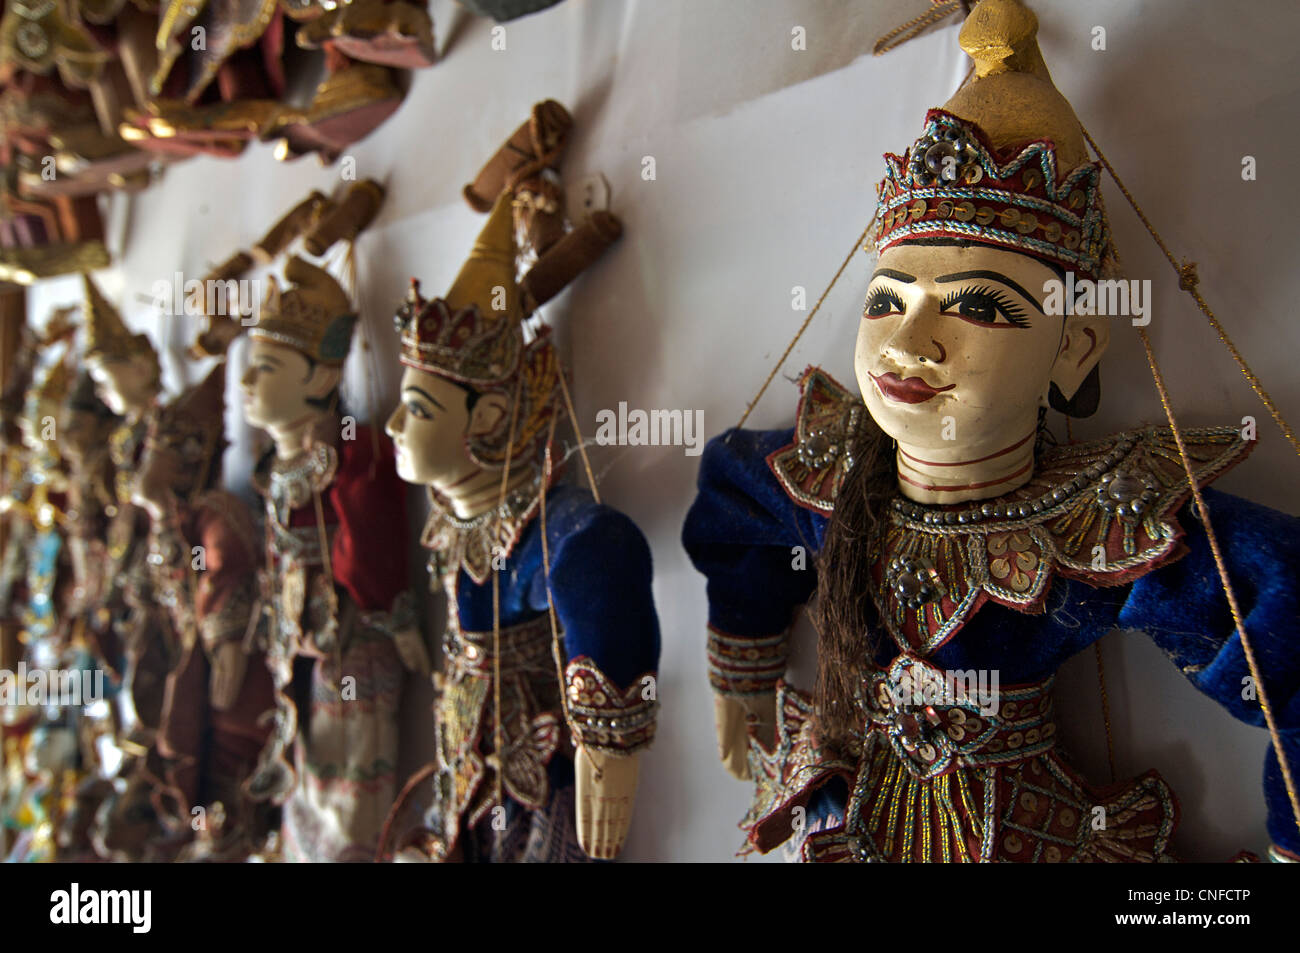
x: 600, y: 576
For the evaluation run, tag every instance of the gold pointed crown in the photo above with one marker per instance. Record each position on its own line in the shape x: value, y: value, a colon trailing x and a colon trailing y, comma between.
x: 313, y: 316
x: 474, y: 334
x: 1005, y: 162
x: 107, y: 336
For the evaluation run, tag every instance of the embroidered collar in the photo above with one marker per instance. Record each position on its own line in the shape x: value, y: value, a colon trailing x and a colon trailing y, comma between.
x: 1101, y: 512
x: 471, y: 544
x: 288, y: 485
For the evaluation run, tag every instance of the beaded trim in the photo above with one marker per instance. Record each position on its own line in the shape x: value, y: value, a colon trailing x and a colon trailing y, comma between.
x: 604, y: 719
x: 531, y: 726
x: 455, y: 543
x: 931, y: 738
x: 465, y: 345
x: 1027, y: 806
x: 813, y: 468
x: 740, y: 666
x: 230, y: 622
x: 1101, y: 512
x: 935, y: 189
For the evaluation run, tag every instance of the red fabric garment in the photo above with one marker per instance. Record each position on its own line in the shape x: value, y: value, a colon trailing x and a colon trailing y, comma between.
x: 208, y: 745
x: 368, y: 500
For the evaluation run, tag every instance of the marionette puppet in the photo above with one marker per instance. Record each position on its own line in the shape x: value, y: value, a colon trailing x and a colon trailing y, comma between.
x: 128, y: 379
x: 994, y: 552
x: 336, y: 567
x: 204, y: 553
x: 547, y: 693
x: 85, y: 426
x: 138, y: 821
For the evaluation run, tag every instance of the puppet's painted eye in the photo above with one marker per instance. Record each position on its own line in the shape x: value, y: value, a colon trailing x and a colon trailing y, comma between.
x: 984, y: 305
x: 881, y: 303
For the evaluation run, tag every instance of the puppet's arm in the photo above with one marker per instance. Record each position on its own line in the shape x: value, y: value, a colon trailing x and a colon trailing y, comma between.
x: 1185, y: 611
x: 600, y: 576
x: 754, y: 546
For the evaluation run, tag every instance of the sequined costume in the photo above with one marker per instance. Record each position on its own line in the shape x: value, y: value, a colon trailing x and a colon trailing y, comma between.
x: 504, y: 782
x: 930, y: 757
x: 331, y: 642
x: 204, y: 553
x: 600, y: 573
x: 948, y: 769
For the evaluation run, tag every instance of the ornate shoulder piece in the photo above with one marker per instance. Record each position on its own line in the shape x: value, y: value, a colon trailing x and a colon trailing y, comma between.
x: 471, y: 543
x: 604, y: 718
x: 1131, y: 490
x: 1101, y: 512
x: 787, y: 776
x: 813, y: 467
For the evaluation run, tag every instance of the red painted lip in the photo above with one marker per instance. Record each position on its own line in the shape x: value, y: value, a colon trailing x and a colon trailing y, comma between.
x: 913, y: 390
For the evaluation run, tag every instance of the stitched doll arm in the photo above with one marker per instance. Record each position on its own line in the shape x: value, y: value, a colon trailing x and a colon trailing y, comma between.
x: 600, y: 573
x: 1185, y: 611
x: 741, y: 533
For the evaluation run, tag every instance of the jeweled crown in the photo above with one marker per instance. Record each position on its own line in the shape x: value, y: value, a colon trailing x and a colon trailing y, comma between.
x: 107, y: 336
x: 473, y: 335
x: 313, y: 316
x: 1004, y: 163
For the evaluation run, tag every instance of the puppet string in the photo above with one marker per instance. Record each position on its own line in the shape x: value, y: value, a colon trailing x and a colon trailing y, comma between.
x: 1203, y: 511
x: 1187, y: 281
x: 573, y: 420
x: 861, y: 239
x: 915, y: 26
x: 557, y: 650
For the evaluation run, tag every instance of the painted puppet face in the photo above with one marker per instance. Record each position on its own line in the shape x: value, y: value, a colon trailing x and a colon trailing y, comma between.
x: 429, y: 428
x: 433, y: 425
x: 955, y: 351
x: 280, y: 384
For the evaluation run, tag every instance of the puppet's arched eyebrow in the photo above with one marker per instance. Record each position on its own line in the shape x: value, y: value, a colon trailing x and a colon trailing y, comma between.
x: 429, y: 397
x: 994, y: 276
x: 896, y: 275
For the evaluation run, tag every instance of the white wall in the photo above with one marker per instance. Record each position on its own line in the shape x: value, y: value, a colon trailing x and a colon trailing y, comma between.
x: 767, y: 159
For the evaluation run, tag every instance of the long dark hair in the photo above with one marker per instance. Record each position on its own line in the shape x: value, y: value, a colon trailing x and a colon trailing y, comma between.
x: 847, y: 641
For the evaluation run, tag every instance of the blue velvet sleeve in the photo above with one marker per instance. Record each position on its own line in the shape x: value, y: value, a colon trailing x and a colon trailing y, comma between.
x: 741, y: 533
x: 1185, y: 611
x: 601, y: 581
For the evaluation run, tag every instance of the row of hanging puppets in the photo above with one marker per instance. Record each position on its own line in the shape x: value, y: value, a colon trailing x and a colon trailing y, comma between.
x: 257, y: 655
x: 232, y: 674
x: 100, y: 95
